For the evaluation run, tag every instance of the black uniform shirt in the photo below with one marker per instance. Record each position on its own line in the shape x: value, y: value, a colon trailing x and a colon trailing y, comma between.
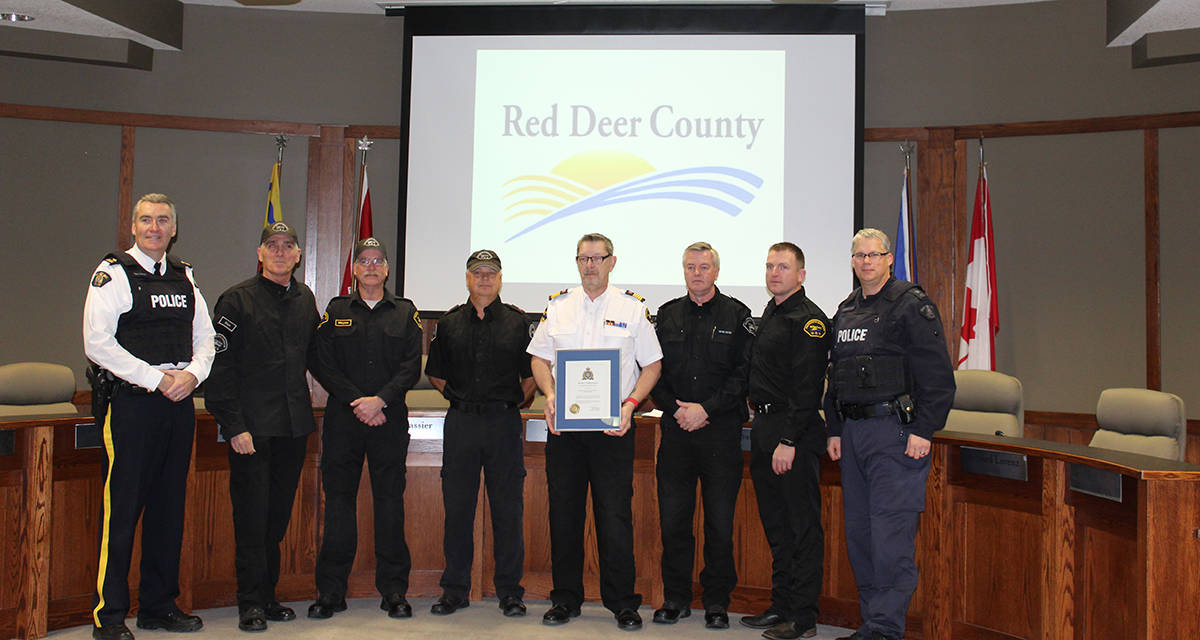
x: 706, y: 349
x: 913, y: 327
x: 481, y: 359
x: 787, y: 364
x: 369, y: 352
x: 265, y: 344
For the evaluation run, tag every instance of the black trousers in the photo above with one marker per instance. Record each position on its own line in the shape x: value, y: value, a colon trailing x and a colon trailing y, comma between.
x: 345, y: 443
x: 716, y: 463
x: 493, y: 443
x: 262, y: 488
x: 883, y: 497
x: 147, y: 450
x: 575, y: 460
x: 789, y: 506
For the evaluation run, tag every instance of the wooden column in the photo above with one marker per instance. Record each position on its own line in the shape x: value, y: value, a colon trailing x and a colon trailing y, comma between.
x: 1057, y: 616
x: 327, y: 206
x: 1153, y: 297
x: 125, y: 190
x: 35, y: 535
x: 937, y: 224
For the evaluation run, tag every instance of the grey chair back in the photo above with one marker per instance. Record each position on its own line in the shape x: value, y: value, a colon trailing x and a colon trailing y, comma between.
x: 987, y: 402
x: 1142, y: 421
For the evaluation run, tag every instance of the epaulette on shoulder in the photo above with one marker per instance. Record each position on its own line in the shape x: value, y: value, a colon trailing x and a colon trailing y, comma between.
x: 634, y: 295
x: 515, y: 308
x: 122, y: 257
x: 851, y: 298
x: 455, y: 308
x: 178, y: 263
x: 670, y: 302
x: 899, y: 288
x: 555, y: 295
x: 111, y: 259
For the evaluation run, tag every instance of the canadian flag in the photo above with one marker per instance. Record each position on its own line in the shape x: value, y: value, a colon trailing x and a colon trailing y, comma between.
x: 981, y: 317
x: 364, y: 231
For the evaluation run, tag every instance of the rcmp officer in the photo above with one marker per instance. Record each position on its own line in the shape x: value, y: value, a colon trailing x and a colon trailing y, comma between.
x: 477, y: 360
x: 594, y: 315
x: 787, y: 370
x: 891, y: 386
x: 369, y: 356
x: 259, y: 395
x: 147, y: 329
x: 706, y: 346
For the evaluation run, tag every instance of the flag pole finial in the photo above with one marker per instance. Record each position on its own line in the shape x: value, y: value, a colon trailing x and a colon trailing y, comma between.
x: 907, y: 149
x: 280, y: 144
x: 364, y: 143
x: 981, y: 161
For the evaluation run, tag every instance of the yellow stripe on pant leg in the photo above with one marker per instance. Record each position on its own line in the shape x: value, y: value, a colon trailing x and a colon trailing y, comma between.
x: 104, y: 526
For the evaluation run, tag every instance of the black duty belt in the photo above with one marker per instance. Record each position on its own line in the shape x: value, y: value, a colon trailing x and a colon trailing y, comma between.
x: 770, y: 407
x: 132, y: 389
x: 864, y: 411
x: 481, y: 408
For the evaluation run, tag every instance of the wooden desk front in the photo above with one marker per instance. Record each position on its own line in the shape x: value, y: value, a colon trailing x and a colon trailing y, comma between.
x: 998, y: 558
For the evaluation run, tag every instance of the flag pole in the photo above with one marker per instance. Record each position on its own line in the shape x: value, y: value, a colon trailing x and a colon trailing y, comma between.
x: 280, y: 144
x: 364, y: 145
x: 907, y: 149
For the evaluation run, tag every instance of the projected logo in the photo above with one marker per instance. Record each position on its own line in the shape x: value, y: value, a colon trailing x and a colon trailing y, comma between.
x: 598, y: 179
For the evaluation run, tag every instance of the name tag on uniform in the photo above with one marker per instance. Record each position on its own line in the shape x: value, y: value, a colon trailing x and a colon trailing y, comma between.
x: 614, y: 323
x: 343, y: 322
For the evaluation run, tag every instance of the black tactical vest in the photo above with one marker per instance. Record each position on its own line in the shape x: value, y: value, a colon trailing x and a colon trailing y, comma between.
x: 868, y: 358
x: 158, y: 329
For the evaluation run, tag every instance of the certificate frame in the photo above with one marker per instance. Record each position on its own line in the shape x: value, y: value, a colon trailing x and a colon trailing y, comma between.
x: 566, y: 388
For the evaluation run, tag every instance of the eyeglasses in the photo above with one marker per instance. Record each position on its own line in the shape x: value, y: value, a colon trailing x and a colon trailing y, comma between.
x: 592, y: 259
x: 873, y: 256
x: 366, y: 262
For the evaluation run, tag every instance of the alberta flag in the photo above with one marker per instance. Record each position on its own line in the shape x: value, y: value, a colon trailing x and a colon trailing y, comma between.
x: 981, y: 316
x: 274, y: 211
x: 906, y: 268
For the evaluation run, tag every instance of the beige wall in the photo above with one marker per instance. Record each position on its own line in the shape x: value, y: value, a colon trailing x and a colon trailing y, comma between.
x: 1068, y: 208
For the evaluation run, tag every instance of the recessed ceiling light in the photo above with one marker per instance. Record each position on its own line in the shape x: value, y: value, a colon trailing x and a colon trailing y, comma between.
x: 14, y: 17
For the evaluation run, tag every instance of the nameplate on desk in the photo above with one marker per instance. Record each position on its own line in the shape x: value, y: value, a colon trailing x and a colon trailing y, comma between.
x: 746, y: 438
x: 87, y: 436
x: 1101, y: 483
x: 535, y: 430
x: 426, y: 427
x: 998, y: 464
x: 8, y: 442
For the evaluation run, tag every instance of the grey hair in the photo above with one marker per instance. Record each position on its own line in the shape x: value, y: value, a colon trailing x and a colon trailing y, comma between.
x: 702, y: 246
x: 872, y: 234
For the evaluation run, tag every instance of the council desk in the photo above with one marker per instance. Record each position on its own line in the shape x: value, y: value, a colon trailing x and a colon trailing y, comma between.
x: 1002, y: 555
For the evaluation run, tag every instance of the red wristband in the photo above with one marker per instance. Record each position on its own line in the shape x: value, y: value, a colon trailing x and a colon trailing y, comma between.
x: 631, y: 399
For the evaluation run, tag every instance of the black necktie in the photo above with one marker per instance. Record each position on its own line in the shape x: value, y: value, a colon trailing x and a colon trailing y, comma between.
x: 158, y: 269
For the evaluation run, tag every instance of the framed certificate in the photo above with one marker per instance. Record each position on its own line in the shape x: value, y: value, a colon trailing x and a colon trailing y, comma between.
x: 586, y: 389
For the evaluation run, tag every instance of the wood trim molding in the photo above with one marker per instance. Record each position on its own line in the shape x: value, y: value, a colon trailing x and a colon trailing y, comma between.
x: 125, y: 190
x: 159, y: 121
x: 1080, y: 125
x: 386, y: 132
x: 1152, y: 256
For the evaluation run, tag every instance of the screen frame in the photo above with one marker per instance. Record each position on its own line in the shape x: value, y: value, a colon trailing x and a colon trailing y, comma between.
x: 622, y: 20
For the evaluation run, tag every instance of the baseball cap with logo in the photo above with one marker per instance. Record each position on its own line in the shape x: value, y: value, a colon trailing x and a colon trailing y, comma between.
x: 369, y: 243
x: 483, y: 258
x: 276, y: 229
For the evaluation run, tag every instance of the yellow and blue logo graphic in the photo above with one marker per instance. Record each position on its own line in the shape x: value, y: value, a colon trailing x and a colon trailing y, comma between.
x: 597, y: 179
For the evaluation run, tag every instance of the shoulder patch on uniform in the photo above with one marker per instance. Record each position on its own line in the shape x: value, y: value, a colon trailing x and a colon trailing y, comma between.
x: 814, y: 328
x: 110, y: 260
x: 343, y: 322
x: 100, y: 279
x: 220, y: 343
x: 324, y: 319
x: 532, y: 330
x: 229, y: 325
x: 417, y: 320
x: 652, y: 319
x: 634, y: 296
x: 555, y: 295
x: 928, y: 311
x: 750, y: 325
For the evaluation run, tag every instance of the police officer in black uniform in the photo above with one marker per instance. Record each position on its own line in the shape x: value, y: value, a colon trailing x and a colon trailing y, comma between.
x: 369, y: 356
x: 478, y: 361
x: 259, y: 395
x: 146, y: 328
x: 891, y: 386
x: 702, y: 393
x: 787, y: 371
